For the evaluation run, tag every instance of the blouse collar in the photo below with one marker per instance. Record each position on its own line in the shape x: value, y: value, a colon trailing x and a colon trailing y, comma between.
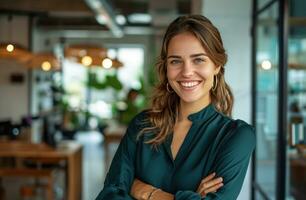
x: 203, y: 114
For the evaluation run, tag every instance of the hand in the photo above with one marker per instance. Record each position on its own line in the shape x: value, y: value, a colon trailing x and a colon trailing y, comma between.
x: 141, y: 190
x: 209, y: 184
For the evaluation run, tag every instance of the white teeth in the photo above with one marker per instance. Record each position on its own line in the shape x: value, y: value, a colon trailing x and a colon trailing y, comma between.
x: 189, y: 84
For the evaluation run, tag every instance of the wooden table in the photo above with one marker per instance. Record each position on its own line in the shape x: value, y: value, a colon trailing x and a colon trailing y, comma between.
x: 69, y: 151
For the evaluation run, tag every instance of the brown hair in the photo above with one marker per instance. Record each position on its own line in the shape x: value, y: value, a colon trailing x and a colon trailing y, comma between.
x: 164, y: 104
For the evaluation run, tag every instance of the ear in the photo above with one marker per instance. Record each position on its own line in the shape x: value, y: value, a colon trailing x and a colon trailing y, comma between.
x: 217, y: 70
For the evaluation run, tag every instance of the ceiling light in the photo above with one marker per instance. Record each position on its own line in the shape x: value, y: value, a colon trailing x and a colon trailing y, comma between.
x: 107, y: 63
x: 10, y: 47
x: 102, y: 7
x: 266, y: 65
x: 120, y: 19
x: 95, y: 4
x: 45, y: 61
x: 14, y: 52
x: 86, y: 60
x: 46, y: 66
x: 81, y: 50
x: 140, y: 18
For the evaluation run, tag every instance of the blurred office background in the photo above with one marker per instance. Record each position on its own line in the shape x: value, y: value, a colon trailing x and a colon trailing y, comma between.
x: 74, y: 72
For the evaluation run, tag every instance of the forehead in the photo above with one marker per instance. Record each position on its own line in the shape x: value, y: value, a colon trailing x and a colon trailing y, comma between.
x: 185, y: 43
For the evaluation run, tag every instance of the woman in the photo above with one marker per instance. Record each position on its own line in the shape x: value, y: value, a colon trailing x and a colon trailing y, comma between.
x: 186, y: 146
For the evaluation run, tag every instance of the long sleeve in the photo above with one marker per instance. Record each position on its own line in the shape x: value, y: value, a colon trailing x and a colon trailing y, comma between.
x: 187, y: 195
x: 231, y: 164
x: 120, y: 176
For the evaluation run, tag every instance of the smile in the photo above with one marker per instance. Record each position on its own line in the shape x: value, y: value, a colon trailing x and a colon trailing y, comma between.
x: 189, y: 84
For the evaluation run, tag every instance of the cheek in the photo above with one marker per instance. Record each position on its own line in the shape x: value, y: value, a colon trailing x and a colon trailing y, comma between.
x: 207, y: 74
x: 171, y: 73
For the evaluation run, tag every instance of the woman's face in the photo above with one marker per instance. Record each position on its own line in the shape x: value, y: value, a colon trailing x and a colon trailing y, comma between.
x: 190, y: 71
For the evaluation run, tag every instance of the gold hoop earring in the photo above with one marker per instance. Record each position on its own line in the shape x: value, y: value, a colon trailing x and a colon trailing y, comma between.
x: 168, y: 89
x: 215, y: 83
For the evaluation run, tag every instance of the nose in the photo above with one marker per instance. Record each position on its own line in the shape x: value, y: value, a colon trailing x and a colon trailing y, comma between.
x: 187, y: 70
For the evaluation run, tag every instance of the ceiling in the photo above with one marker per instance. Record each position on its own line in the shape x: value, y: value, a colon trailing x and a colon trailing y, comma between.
x: 78, y: 15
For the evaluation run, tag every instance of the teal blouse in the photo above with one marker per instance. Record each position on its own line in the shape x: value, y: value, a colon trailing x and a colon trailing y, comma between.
x: 214, y: 143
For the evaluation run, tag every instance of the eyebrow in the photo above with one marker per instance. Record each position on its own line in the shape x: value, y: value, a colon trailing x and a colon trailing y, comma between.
x: 198, y: 54
x: 192, y: 55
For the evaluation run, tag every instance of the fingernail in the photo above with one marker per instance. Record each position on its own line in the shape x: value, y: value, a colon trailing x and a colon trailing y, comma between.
x: 221, y: 179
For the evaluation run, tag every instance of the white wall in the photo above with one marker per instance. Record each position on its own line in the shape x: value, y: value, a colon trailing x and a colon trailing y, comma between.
x: 13, y: 97
x: 233, y: 19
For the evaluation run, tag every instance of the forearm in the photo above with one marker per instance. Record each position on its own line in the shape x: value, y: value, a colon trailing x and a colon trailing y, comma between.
x: 144, y: 191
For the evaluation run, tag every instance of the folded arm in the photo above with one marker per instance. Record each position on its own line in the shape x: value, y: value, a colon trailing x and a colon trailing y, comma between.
x: 231, y: 164
x: 120, y: 176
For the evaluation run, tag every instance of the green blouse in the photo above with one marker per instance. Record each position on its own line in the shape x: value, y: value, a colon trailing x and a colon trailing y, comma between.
x: 214, y: 143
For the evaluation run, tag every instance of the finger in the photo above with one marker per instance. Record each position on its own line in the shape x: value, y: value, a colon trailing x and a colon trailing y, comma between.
x: 206, y: 179
x: 207, y: 185
x: 212, y: 189
x: 209, y: 177
x: 214, y: 182
x: 210, y: 183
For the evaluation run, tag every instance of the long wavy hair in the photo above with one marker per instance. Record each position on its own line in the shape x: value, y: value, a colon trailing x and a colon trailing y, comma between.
x: 164, y: 104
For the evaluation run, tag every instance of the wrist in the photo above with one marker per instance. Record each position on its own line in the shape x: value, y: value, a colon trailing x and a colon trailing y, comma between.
x: 152, y: 193
x: 146, y: 193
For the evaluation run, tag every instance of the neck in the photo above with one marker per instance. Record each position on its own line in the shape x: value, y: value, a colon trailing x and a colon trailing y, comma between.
x: 188, y: 108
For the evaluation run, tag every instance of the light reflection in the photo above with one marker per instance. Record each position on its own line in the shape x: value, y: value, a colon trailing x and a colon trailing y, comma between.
x: 10, y: 48
x: 46, y: 66
x: 107, y: 63
x: 266, y: 65
x: 86, y: 60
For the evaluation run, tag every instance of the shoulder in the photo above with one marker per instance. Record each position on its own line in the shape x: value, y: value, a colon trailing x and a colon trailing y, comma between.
x: 243, y: 131
x: 236, y: 127
x: 138, y: 122
x: 240, y: 136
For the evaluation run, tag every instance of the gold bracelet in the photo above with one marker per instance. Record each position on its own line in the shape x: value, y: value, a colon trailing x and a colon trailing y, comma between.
x: 146, y: 195
x: 152, y: 192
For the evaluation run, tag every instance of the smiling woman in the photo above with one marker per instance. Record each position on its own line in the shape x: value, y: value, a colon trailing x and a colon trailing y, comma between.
x: 186, y: 146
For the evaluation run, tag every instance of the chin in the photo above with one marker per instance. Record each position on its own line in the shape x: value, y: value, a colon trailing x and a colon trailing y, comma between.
x: 193, y: 98
x: 190, y: 99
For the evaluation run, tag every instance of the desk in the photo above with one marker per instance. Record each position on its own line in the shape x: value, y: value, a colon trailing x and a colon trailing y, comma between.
x: 70, y: 151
